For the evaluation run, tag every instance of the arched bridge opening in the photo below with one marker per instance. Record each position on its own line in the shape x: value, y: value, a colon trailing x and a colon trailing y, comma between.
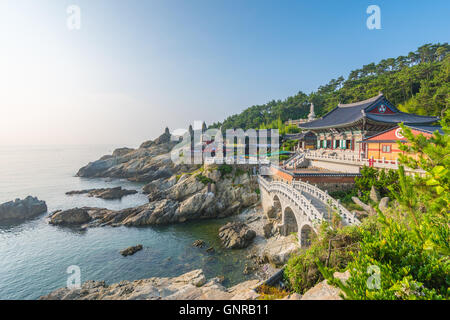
x: 289, y: 222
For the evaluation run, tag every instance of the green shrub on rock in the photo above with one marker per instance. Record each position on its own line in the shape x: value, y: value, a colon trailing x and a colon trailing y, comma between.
x: 334, y: 247
x: 203, y: 179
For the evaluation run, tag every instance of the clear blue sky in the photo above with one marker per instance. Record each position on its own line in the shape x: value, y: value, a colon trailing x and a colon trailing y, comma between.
x: 137, y: 66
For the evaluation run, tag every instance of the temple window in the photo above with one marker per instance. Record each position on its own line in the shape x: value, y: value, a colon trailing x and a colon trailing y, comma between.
x: 348, y: 144
x: 386, y: 148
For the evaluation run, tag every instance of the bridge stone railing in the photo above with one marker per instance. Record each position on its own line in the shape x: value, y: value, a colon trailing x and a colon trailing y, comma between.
x: 294, y: 193
x: 295, y: 197
x: 295, y: 159
x: 323, y: 196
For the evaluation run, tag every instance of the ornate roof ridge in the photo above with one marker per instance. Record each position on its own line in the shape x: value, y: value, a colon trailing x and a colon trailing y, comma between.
x: 354, y: 104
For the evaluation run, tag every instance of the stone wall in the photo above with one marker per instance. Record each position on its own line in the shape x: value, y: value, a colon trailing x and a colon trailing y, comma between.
x: 331, y: 183
x: 335, y: 166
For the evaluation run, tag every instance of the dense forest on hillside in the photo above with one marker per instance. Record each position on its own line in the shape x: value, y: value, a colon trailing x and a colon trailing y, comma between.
x: 416, y: 83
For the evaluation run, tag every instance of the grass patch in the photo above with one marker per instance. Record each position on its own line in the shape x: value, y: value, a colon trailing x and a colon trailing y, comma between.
x: 271, y: 293
x: 203, y: 179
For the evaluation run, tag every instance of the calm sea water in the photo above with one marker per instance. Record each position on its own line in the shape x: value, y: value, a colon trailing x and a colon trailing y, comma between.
x: 34, y: 255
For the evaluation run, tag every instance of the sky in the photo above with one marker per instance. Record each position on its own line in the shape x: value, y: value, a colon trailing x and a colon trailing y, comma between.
x: 135, y: 67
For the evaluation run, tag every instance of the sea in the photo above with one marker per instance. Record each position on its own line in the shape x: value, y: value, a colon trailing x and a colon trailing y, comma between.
x: 37, y: 258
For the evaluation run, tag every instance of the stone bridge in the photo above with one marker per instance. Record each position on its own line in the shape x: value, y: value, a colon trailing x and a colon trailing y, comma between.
x: 300, y: 207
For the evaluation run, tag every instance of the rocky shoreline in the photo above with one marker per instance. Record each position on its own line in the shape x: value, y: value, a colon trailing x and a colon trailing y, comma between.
x: 176, y: 194
x: 190, y: 286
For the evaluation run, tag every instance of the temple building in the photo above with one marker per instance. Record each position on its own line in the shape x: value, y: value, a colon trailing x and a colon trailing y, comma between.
x: 344, y: 127
x: 384, y: 145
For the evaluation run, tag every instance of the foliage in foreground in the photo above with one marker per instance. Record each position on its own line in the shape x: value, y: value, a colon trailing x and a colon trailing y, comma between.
x: 386, y: 182
x: 407, y: 257
x: 301, y: 271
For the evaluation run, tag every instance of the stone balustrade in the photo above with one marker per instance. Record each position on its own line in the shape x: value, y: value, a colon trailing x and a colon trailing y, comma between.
x: 347, y: 216
x: 295, y: 193
x: 296, y: 198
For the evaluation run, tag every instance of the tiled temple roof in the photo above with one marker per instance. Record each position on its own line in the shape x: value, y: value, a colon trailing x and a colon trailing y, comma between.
x: 347, y: 114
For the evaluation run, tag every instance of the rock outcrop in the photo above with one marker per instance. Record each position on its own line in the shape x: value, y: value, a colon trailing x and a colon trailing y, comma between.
x: 367, y: 208
x: 151, y: 161
x: 383, y: 205
x: 236, y: 235
x: 324, y: 291
x: 268, y: 229
x: 374, y: 195
x: 72, y: 217
x: 104, y: 193
x: 278, y: 250
x: 189, y: 198
x: 22, y: 209
x: 131, y: 250
x: 190, y: 286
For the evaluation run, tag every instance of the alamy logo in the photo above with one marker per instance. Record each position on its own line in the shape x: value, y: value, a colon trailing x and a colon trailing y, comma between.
x: 74, y: 17
x: 374, y: 20
x: 201, y: 145
x: 374, y: 281
x: 74, y: 280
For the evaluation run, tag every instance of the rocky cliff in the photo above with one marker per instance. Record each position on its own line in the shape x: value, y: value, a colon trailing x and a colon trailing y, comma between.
x: 149, y: 162
x: 22, y: 209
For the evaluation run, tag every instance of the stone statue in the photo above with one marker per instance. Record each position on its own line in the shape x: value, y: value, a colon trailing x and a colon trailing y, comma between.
x: 311, y: 115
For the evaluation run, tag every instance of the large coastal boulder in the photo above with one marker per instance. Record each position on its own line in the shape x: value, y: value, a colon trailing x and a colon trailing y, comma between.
x: 22, y: 209
x: 189, y: 286
x: 279, y: 250
x: 76, y: 216
x: 236, y: 235
x: 131, y: 250
x: 104, y: 193
x: 325, y: 291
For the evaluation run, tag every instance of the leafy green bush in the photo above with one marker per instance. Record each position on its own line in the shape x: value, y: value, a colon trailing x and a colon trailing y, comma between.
x: 289, y: 145
x: 410, y: 250
x: 239, y: 172
x: 302, y: 272
x: 406, y: 267
x: 203, y: 179
x: 381, y: 179
x: 225, y: 169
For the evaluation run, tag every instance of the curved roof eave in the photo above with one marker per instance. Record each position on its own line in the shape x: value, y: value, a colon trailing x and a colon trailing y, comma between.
x: 342, y: 125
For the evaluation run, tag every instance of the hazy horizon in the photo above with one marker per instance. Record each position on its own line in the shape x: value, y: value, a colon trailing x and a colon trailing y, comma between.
x: 137, y: 67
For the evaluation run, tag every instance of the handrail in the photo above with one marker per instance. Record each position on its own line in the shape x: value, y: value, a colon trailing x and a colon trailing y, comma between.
x: 294, y: 159
x: 295, y: 196
x: 323, y: 196
x: 295, y: 192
